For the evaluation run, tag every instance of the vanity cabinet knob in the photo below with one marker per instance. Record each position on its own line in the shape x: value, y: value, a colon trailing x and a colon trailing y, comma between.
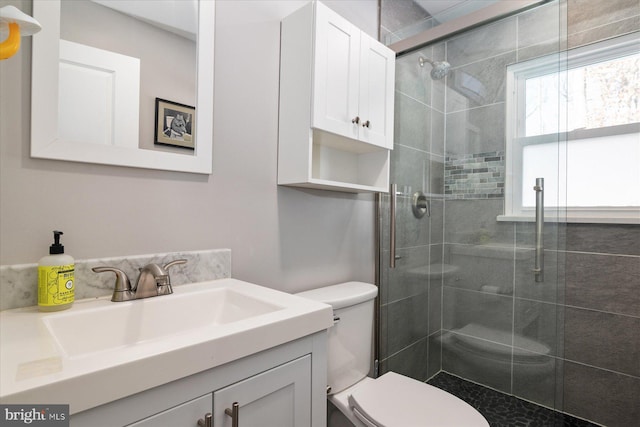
x: 206, y: 422
x: 366, y: 124
x: 355, y: 120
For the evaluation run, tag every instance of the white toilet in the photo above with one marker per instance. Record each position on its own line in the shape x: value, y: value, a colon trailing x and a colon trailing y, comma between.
x: 391, y: 400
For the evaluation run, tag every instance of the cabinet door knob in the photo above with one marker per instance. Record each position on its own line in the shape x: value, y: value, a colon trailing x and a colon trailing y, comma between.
x: 206, y: 422
x: 234, y: 413
x: 355, y: 120
x: 366, y: 124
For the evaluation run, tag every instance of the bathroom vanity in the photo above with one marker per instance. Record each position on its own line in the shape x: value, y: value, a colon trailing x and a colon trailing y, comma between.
x: 272, y: 388
x: 173, y: 359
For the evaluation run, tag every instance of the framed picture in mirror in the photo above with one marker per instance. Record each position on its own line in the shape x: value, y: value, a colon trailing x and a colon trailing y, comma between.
x: 175, y: 124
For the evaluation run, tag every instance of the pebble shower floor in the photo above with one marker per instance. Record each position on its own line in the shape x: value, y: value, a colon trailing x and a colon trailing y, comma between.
x: 503, y: 410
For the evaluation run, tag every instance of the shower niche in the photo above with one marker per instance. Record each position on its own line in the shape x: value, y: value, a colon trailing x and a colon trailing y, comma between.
x: 336, y: 104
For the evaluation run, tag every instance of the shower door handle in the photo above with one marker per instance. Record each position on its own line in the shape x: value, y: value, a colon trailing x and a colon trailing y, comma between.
x: 539, y: 261
x: 393, y: 188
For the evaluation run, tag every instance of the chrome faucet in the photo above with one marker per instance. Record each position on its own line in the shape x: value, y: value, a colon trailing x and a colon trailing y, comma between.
x: 154, y: 280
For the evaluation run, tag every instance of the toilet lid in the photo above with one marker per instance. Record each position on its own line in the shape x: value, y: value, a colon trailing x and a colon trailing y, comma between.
x: 394, y: 400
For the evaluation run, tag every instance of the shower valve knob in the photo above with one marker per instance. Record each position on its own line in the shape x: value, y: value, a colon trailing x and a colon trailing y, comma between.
x: 355, y: 120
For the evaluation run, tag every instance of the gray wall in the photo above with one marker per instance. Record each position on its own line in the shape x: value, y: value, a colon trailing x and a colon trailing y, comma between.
x: 284, y: 238
x: 587, y: 309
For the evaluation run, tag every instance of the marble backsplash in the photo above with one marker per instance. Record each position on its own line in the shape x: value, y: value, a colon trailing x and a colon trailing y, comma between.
x: 18, y: 283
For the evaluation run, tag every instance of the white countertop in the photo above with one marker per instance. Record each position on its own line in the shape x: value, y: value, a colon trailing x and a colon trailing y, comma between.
x: 36, y: 369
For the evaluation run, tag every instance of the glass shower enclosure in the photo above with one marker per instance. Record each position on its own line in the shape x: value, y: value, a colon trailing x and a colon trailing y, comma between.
x: 467, y: 285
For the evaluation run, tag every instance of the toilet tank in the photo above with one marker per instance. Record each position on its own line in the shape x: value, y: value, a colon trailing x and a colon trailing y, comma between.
x: 351, y: 337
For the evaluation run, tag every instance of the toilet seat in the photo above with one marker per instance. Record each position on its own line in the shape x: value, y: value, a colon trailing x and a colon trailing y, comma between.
x: 394, y: 400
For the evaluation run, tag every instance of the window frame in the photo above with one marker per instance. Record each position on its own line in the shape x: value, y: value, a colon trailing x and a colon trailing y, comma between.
x: 517, y: 75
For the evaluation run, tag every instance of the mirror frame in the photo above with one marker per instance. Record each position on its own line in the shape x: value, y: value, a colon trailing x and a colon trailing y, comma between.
x: 45, y: 142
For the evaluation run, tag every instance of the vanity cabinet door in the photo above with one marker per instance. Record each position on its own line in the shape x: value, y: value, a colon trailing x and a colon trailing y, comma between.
x: 185, y: 415
x: 278, y: 397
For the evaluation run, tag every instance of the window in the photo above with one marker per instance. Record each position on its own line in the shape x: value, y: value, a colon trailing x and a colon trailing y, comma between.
x: 574, y: 119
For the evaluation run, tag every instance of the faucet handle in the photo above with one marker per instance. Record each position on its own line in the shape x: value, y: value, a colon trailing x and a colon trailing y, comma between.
x: 122, y: 290
x: 174, y: 262
x: 164, y: 283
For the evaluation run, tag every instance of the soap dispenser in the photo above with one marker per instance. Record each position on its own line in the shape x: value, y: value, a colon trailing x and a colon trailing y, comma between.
x: 56, y: 285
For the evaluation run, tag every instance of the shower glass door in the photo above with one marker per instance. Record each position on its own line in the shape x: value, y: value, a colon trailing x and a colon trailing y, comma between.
x: 464, y: 296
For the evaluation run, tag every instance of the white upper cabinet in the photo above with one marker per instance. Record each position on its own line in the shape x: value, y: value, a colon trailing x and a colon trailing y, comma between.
x: 336, y: 104
x: 353, y: 81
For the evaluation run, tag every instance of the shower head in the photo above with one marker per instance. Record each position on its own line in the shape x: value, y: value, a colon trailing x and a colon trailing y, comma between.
x: 440, y: 68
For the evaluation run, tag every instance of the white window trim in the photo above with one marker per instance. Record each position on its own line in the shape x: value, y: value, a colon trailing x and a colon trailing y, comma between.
x: 516, y: 78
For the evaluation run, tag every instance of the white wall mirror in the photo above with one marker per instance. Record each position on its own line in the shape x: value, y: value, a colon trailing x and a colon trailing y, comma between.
x: 116, y: 123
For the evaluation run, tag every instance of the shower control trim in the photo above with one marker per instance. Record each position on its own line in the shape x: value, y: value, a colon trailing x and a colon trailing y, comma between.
x: 420, y: 205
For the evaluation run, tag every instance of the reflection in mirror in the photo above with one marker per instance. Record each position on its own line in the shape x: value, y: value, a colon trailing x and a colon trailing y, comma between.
x: 100, y: 67
x: 160, y: 63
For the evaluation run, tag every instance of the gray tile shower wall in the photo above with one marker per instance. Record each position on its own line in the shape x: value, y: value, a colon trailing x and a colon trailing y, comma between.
x: 606, y: 397
x: 593, y: 20
x: 602, y: 342
x: 604, y: 282
x: 410, y: 361
x: 473, y: 222
x: 476, y: 130
x: 411, y: 293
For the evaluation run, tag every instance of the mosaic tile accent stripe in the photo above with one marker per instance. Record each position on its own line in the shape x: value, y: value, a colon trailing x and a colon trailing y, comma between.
x: 475, y: 176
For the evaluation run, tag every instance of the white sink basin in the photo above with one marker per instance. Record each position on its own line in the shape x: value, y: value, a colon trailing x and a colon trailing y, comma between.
x: 130, y: 323
x: 138, y: 345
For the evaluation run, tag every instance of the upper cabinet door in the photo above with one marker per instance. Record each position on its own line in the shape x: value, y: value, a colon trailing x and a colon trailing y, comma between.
x: 337, y: 69
x: 376, y: 103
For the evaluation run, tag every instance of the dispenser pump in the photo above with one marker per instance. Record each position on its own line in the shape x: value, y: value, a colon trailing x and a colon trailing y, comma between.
x: 56, y: 247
